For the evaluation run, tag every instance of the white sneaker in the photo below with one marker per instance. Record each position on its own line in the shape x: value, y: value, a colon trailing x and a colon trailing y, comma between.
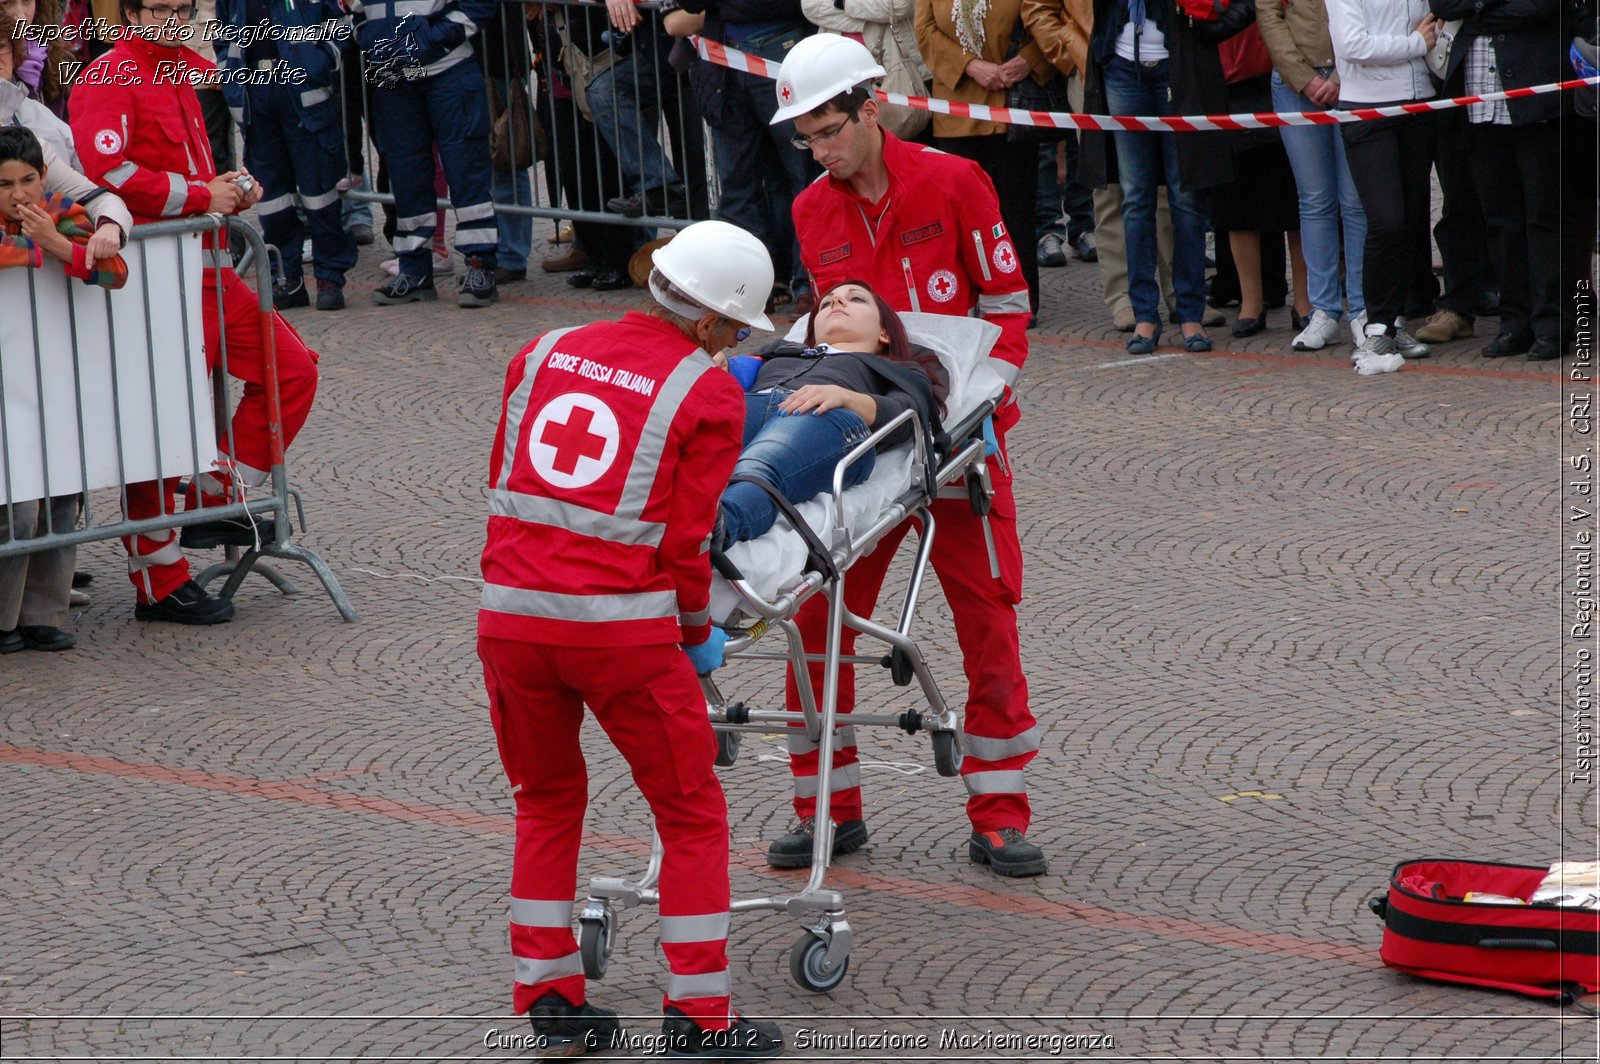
x: 1318, y: 333
x: 1410, y: 346
x: 1358, y: 328
x: 1378, y: 354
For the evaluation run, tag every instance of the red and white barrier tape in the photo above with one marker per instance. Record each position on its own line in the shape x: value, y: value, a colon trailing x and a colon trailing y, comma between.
x: 722, y: 55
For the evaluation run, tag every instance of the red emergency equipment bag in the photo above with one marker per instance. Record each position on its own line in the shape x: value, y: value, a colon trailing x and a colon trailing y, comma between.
x: 1202, y: 10
x: 1539, y: 950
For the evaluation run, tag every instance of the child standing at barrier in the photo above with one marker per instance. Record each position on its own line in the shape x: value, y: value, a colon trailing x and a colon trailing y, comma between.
x: 34, y: 588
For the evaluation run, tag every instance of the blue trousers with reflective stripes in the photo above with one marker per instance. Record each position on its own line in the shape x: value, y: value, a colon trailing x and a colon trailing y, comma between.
x: 292, y: 161
x: 449, y: 110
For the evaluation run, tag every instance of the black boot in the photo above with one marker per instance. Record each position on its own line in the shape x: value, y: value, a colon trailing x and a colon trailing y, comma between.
x: 744, y: 1040
x: 567, y: 1030
x: 1007, y: 851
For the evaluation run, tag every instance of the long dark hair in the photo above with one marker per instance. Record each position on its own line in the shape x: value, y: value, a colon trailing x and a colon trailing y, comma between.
x: 899, y: 347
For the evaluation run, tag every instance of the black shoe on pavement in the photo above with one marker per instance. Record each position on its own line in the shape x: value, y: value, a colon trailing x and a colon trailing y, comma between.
x: 286, y: 296
x: 744, y: 1040
x: 609, y: 279
x: 475, y: 285
x: 228, y: 532
x: 188, y: 605
x: 1509, y: 342
x: 11, y: 642
x: 505, y: 276
x: 81, y: 579
x: 1084, y: 248
x: 582, y: 278
x: 362, y: 232
x: 46, y: 637
x: 405, y: 288
x: 330, y: 296
x: 794, y: 849
x: 1007, y: 851
x: 1544, y: 349
x: 567, y: 1030
x: 662, y: 203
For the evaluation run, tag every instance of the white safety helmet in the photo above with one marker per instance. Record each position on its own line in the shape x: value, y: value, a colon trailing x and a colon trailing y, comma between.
x: 720, y: 266
x: 819, y: 68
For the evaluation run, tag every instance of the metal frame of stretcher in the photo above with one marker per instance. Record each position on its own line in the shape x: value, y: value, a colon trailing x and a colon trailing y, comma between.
x: 819, y: 959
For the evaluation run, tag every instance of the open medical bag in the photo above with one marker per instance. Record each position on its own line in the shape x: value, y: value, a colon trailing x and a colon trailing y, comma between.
x: 1539, y: 950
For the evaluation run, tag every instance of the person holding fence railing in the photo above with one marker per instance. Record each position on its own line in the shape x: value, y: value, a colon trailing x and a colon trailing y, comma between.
x: 292, y: 140
x: 428, y: 92
x: 34, y: 223
x: 136, y: 113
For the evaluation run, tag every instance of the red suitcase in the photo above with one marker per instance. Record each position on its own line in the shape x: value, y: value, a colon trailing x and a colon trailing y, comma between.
x: 1530, y: 949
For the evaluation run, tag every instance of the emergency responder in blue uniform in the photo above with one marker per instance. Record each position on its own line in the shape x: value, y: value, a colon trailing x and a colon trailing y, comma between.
x: 429, y: 92
x: 282, y: 92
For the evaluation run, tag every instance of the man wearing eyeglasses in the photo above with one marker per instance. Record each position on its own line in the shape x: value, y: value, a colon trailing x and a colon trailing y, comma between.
x: 140, y: 132
x: 924, y: 229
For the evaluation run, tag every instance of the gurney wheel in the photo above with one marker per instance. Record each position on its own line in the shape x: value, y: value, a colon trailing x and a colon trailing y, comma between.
x: 727, y: 748
x: 900, y: 668
x: 807, y: 962
x: 594, y: 944
x: 946, y: 755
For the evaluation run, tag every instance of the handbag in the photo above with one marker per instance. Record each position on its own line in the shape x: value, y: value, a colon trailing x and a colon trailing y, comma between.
x: 901, y: 75
x: 1202, y: 10
x: 1245, y: 56
x: 581, y: 68
x: 1030, y: 95
x: 1438, y: 57
x: 516, y: 136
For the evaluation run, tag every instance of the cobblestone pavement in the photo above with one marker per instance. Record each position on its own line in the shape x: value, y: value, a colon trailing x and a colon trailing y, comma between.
x: 1284, y: 627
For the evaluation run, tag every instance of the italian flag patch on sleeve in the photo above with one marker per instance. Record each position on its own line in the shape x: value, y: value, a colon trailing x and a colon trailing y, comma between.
x: 999, y: 231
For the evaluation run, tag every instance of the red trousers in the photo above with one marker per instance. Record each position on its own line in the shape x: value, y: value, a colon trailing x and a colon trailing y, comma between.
x: 999, y: 733
x: 156, y: 564
x: 650, y: 704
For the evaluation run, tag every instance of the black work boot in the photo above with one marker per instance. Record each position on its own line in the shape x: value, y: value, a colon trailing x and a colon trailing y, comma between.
x: 744, y: 1040
x: 189, y: 604
x: 794, y: 849
x: 286, y: 296
x: 1008, y: 852
x: 567, y: 1030
x: 475, y: 287
x: 405, y: 288
x: 330, y: 295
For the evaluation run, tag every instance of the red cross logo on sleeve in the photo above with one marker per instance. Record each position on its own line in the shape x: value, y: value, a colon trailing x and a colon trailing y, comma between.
x: 573, y: 441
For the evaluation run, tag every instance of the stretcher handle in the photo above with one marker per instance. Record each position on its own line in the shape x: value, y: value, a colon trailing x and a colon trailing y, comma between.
x: 1543, y: 944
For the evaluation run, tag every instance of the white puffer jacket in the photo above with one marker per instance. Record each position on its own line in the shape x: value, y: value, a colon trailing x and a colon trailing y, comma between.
x: 1378, y: 50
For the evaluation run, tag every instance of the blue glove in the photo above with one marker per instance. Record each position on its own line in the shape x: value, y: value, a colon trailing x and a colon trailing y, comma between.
x: 707, y: 656
x: 991, y: 443
x: 744, y: 369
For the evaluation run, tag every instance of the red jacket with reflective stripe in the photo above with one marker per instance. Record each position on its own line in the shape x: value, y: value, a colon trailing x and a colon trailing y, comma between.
x: 938, y: 247
x: 615, y: 442
x: 138, y: 128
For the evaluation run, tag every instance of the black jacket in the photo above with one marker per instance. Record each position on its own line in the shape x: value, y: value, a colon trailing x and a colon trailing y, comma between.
x: 1529, y: 38
x: 1205, y: 160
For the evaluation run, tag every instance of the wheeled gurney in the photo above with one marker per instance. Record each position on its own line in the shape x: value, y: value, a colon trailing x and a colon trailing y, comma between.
x: 762, y: 584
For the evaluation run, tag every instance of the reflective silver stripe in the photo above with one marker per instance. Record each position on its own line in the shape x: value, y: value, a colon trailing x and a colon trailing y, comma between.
x: 457, y: 16
x: 312, y: 97
x: 275, y: 204
x: 409, y: 243
x: 689, y: 620
x: 177, y: 195
x: 800, y: 744
x: 995, y: 782
x: 473, y: 212
x: 580, y: 519
x: 531, y: 972
x: 842, y: 780
x: 249, y: 474
x: 212, y: 259
x: 467, y: 237
x: 713, y: 927
x: 412, y: 221
x: 551, y: 605
x: 987, y: 749
x: 316, y: 203
x: 531, y: 913
x: 118, y: 176
x: 167, y: 555
x: 983, y: 258
x: 1008, y: 372
x: 238, y: 115
x: 402, y: 8
x: 1010, y: 303
x: 688, y: 987
x: 517, y: 404
x: 653, y: 440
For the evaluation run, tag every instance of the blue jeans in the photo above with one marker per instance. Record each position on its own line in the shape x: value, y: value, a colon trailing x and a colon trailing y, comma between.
x: 1144, y: 160
x: 1065, y: 210
x: 795, y: 453
x: 516, y: 230
x: 1327, y: 198
x: 625, y: 98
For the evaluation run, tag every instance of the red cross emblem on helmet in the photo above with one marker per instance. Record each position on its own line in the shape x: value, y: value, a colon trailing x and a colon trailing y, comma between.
x: 785, y: 92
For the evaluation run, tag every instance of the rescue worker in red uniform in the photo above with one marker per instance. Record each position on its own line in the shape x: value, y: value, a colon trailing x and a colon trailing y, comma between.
x: 615, y: 442
x: 140, y: 132
x: 923, y: 229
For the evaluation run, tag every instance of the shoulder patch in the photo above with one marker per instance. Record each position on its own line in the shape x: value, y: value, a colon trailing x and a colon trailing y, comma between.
x: 921, y: 233
x: 834, y: 254
x: 108, y: 142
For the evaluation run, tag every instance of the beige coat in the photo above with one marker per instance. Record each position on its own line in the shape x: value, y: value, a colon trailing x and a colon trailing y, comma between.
x: 1061, y: 28
x: 1296, y: 33
x: 936, y: 37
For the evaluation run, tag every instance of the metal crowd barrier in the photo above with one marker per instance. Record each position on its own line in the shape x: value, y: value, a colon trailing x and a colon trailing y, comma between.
x: 102, y: 389
x: 527, y: 45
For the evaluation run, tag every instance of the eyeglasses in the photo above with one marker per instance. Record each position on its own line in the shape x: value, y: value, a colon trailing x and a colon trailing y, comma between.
x: 162, y: 11
x: 742, y: 335
x: 806, y: 143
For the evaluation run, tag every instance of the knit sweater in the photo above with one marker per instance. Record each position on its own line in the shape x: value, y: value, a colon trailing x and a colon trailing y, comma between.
x: 72, y: 222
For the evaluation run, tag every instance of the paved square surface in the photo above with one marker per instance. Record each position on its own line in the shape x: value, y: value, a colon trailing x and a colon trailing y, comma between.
x: 1285, y: 626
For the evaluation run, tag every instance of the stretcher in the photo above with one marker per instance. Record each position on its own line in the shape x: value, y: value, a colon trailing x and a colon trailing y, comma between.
x: 761, y: 585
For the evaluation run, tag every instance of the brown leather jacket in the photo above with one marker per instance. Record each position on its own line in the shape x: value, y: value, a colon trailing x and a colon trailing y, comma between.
x: 1296, y: 34
x: 1061, y: 28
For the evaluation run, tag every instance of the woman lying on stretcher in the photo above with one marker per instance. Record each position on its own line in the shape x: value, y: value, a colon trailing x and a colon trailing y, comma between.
x: 807, y: 406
